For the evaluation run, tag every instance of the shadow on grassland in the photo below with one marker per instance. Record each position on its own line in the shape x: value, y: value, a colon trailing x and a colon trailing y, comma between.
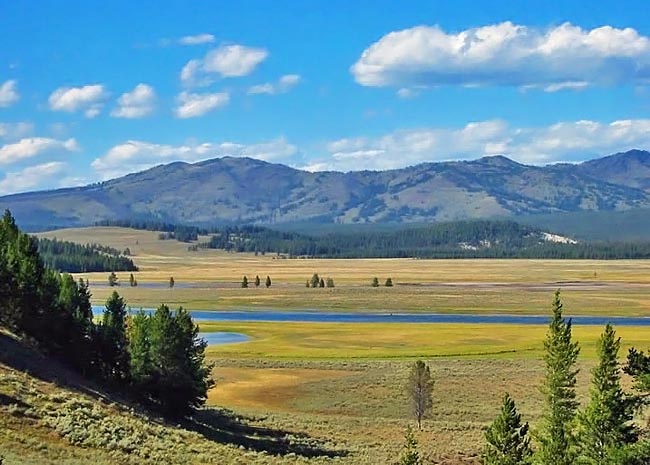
x: 223, y: 426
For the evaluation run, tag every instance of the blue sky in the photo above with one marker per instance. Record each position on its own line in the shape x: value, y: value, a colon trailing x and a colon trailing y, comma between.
x: 94, y: 90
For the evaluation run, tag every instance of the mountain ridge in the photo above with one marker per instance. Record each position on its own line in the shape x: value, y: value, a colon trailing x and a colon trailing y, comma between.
x: 238, y: 190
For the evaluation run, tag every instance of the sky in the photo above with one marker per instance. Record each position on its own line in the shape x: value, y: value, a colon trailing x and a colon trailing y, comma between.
x: 90, y: 91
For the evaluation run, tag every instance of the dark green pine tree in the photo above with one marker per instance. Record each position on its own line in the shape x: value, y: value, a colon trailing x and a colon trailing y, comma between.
x: 606, y: 423
x: 257, y: 281
x: 244, y: 282
x: 375, y: 282
x: 180, y: 378
x: 410, y: 454
x: 267, y: 283
x: 507, y: 438
x: 141, y: 366
x: 114, y: 355
x: 556, y: 438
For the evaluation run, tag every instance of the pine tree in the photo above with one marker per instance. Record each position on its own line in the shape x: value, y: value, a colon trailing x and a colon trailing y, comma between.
x: 268, y: 282
x: 315, y: 280
x: 420, y: 390
x: 329, y: 282
x: 410, y: 453
x: 606, y: 427
x: 507, y: 438
x: 140, y: 362
x: 375, y: 282
x: 132, y: 282
x: 389, y: 282
x: 321, y: 283
x: 257, y: 281
x: 114, y: 344
x: 556, y: 438
x: 171, y: 282
x: 244, y: 282
x: 112, y: 279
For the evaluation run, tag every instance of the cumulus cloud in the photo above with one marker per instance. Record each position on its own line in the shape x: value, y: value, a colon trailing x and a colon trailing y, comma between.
x: 561, y: 142
x: 136, y: 155
x: 9, y: 93
x: 193, y: 105
x: 14, y: 131
x: 225, y: 61
x: 30, y: 147
x: 88, y: 99
x: 197, y: 39
x: 138, y: 103
x: 42, y: 176
x: 282, y: 86
x: 506, y: 54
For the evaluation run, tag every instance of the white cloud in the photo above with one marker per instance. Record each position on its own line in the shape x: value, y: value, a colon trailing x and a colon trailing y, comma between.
x: 506, y: 54
x: 9, y: 93
x: 406, y: 93
x: 225, y: 61
x: 88, y: 99
x: 136, y: 155
x: 14, y: 131
x: 193, y: 105
x: 136, y: 104
x: 42, y: 176
x: 284, y: 85
x: 561, y: 142
x: 197, y: 39
x: 30, y: 147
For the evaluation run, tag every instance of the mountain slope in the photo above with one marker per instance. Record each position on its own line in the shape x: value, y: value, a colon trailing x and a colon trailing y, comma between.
x: 230, y: 190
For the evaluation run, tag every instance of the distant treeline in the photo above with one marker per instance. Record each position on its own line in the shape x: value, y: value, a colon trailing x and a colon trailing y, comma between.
x: 457, y: 239
x: 174, y: 231
x: 461, y: 239
x: 69, y: 257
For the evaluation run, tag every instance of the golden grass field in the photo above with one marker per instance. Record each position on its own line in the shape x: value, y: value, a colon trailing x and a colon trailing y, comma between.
x: 210, y: 279
x: 343, y: 384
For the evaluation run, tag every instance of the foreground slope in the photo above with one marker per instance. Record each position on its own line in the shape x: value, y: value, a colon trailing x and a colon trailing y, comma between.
x: 246, y: 190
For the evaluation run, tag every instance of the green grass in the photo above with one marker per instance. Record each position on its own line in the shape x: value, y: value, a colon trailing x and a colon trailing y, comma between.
x: 402, y: 340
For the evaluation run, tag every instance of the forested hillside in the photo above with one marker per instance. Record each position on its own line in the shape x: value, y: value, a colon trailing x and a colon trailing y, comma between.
x: 157, y: 359
x: 238, y: 190
x: 75, y: 258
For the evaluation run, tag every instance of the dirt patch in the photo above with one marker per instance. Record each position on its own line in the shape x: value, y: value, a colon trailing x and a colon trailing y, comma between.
x: 272, y: 389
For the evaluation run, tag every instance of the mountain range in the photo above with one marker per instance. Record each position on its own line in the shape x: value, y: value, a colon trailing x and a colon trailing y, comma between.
x: 244, y: 190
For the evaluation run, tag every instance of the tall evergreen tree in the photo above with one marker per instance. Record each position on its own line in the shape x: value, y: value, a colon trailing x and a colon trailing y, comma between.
x: 180, y: 378
x: 606, y: 424
x: 267, y: 283
x: 114, y: 344
x: 507, y: 438
x: 141, y: 365
x: 556, y: 438
x: 244, y: 282
x: 257, y: 281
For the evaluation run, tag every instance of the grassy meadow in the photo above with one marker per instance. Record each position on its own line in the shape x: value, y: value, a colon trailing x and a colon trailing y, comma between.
x: 210, y: 280
x: 317, y: 393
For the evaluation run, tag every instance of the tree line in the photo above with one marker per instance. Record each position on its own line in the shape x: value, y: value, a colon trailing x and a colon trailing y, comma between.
x: 76, y: 258
x: 159, y: 357
x: 455, y: 239
x: 607, y: 431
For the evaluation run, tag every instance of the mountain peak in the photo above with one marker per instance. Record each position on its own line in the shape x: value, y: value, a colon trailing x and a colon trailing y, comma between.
x: 246, y: 190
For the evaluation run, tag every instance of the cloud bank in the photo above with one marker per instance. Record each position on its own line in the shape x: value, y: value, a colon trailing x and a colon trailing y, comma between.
x: 134, y: 155
x: 506, y: 54
x: 562, y: 142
